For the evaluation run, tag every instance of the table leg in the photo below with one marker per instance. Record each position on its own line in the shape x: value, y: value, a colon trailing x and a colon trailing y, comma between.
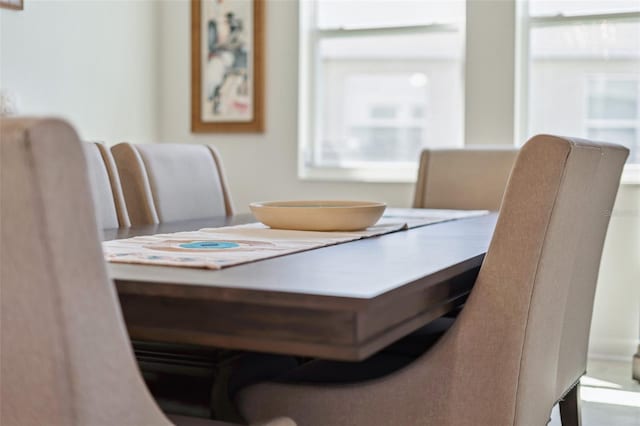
x: 636, y: 365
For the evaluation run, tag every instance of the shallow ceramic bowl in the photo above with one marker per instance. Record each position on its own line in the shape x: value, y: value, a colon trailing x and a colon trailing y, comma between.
x: 318, y: 215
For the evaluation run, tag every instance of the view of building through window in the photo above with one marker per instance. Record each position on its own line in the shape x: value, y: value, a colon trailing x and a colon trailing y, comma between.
x: 376, y: 126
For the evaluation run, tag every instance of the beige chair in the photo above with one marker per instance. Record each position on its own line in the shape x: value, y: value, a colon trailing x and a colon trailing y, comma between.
x: 105, y: 186
x: 518, y: 346
x: 469, y: 179
x: 171, y: 182
x: 66, y: 357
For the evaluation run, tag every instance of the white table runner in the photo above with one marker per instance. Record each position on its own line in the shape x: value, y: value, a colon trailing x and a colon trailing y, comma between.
x: 216, y: 248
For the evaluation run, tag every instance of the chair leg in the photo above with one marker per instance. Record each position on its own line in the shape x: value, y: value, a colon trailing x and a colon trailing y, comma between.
x: 570, y: 407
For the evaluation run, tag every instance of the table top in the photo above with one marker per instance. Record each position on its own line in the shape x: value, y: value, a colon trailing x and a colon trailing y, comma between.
x: 346, y: 301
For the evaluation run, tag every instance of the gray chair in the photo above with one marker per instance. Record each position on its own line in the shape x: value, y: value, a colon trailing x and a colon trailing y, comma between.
x: 171, y: 182
x: 472, y: 178
x: 466, y: 179
x: 66, y: 357
x: 518, y: 347
x: 105, y: 186
x: 166, y: 183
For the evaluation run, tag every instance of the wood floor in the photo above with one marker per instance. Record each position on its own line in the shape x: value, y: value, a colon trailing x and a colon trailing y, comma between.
x: 610, y: 397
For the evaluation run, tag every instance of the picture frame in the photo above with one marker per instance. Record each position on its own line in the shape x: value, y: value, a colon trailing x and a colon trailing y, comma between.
x: 12, y: 4
x: 227, y: 60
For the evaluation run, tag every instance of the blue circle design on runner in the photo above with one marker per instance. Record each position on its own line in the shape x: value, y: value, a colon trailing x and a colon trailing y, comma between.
x: 209, y: 245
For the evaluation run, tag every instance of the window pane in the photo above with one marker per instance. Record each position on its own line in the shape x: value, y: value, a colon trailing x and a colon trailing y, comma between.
x: 614, y: 99
x: 584, y: 81
x: 385, y: 13
x: 581, y: 7
x: 382, y: 98
x: 375, y: 131
x: 625, y: 136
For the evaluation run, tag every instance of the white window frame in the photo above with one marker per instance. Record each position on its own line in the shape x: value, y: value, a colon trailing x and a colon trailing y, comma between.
x: 631, y: 173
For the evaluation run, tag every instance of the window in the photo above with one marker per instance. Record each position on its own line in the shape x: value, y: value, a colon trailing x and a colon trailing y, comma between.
x: 380, y: 80
x: 377, y: 119
x: 584, y: 70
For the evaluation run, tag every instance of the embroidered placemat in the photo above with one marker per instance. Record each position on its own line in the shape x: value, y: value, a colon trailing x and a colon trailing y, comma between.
x: 216, y: 248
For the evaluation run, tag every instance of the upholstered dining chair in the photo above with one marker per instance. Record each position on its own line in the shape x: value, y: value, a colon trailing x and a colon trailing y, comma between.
x: 66, y: 358
x: 106, y: 188
x: 471, y: 178
x: 171, y: 182
x: 518, y: 346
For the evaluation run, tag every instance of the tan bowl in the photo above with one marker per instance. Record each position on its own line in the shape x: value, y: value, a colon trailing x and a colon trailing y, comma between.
x: 318, y: 215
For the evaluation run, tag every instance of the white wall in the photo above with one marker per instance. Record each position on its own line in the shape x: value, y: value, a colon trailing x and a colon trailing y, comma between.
x: 490, y: 77
x: 616, y: 312
x: 92, y: 62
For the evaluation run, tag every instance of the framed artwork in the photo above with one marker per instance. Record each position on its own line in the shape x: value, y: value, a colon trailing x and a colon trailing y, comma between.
x: 227, y: 51
x: 12, y: 4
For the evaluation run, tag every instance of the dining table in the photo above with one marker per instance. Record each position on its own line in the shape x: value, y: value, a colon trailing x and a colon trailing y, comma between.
x: 340, y: 302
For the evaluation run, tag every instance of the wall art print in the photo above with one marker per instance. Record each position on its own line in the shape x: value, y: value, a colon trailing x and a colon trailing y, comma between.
x: 227, y: 40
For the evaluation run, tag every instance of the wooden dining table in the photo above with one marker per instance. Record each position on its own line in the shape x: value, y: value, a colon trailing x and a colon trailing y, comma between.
x: 342, y: 302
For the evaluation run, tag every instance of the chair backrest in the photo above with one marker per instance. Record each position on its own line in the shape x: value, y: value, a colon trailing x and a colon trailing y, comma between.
x: 470, y: 178
x: 106, y: 188
x: 574, y: 344
x: 66, y: 356
x: 512, y: 329
x: 171, y: 182
x: 519, y: 343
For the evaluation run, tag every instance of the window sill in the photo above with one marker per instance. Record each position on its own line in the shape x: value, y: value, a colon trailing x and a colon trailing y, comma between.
x: 631, y: 175
x: 388, y: 174
x: 406, y: 174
